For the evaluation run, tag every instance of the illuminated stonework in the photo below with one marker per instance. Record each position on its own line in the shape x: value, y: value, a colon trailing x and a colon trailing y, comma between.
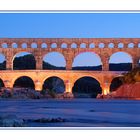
x: 41, y: 46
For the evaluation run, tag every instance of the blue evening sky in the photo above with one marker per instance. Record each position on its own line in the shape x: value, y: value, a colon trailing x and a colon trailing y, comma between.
x: 71, y: 25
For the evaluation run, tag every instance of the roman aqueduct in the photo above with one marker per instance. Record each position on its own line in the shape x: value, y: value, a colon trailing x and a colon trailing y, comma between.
x: 69, y: 48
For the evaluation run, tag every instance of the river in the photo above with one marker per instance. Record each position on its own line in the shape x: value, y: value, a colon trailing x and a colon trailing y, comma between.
x: 76, y: 112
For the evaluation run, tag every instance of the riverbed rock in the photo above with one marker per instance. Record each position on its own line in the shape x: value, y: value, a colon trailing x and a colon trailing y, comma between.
x: 126, y: 91
x: 11, y: 121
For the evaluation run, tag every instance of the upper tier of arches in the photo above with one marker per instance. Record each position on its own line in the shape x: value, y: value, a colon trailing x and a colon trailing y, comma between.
x: 69, y: 43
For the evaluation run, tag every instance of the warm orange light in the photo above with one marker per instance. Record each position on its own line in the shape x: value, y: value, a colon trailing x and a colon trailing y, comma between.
x: 105, y: 91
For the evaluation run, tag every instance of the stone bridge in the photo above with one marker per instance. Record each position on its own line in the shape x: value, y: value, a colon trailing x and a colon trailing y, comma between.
x: 69, y: 77
x: 69, y: 48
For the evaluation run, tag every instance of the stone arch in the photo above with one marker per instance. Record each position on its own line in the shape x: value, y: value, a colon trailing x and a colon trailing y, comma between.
x: 54, y: 84
x: 34, y: 45
x: 120, y: 61
x: 2, y: 61
x: 64, y: 45
x: 80, y: 63
x: 4, y: 45
x: 116, y: 82
x: 24, y: 45
x: 14, y: 45
x: 24, y: 61
x: 1, y: 83
x: 49, y: 61
x: 23, y: 81
x: 85, y: 84
x: 54, y: 45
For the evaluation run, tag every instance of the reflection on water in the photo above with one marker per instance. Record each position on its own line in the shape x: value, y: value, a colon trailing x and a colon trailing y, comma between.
x: 75, y: 112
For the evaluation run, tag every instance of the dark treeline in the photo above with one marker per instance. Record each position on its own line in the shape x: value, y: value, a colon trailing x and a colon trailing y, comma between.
x: 88, y: 68
x: 28, y: 62
x: 120, y: 67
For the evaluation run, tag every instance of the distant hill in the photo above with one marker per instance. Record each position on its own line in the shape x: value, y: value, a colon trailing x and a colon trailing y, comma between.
x: 51, y: 67
x: 120, y: 67
x: 87, y: 68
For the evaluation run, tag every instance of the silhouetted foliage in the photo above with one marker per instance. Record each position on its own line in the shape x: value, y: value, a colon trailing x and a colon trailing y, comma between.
x: 120, y: 67
x: 24, y: 62
x: 96, y: 68
x: 48, y: 66
x: 3, y: 66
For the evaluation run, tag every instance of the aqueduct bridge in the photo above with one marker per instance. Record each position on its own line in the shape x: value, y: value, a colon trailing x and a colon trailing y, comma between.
x: 70, y: 48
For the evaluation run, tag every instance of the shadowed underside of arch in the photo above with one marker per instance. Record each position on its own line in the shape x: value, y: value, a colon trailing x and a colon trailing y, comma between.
x: 54, y: 85
x: 24, y: 82
x: 86, y: 87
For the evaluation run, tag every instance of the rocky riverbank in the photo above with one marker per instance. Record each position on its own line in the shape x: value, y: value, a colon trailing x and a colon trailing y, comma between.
x: 126, y: 91
x: 130, y: 89
x: 27, y: 93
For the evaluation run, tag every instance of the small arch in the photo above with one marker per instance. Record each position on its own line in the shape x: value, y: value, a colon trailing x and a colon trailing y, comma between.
x: 120, y: 61
x: 54, y: 61
x: 73, y: 45
x: 87, y: 61
x: 24, y: 45
x: 83, y: 45
x: 91, y: 45
x: 24, y: 61
x: 24, y: 82
x: 4, y: 45
x: 64, y: 45
x: 44, y: 45
x: 14, y: 45
x: 120, y: 45
x: 34, y: 45
x: 138, y: 45
x: 111, y: 45
x: 86, y: 87
x: 131, y: 45
x: 116, y: 83
x: 53, y: 45
x: 101, y: 45
x: 53, y: 85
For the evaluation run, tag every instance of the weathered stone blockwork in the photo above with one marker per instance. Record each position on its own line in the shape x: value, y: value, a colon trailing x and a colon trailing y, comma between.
x: 11, y: 46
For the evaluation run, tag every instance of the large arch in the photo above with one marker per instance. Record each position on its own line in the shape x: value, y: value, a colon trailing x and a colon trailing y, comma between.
x: 54, y: 61
x: 120, y: 61
x: 24, y: 61
x: 116, y: 83
x: 24, y: 82
x: 53, y: 85
x: 2, y: 62
x: 86, y: 86
x: 87, y: 61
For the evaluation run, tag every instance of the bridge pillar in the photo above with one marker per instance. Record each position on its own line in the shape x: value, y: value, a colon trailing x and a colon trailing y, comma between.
x: 105, y: 61
x: 38, y: 85
x: 9, y: 63
x: 68, y: 86
x: 39, y: 62
x: 105, y: 88
x: 69, y: 65
x: 135, y: 62
x: 8, y: 84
